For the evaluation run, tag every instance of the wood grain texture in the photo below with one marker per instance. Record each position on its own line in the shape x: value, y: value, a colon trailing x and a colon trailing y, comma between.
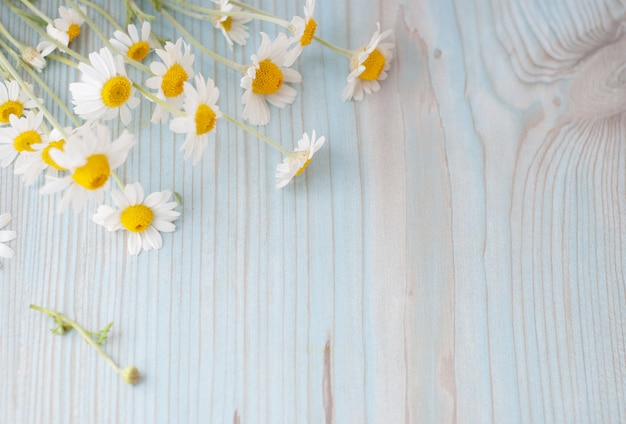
x: 455, y: 253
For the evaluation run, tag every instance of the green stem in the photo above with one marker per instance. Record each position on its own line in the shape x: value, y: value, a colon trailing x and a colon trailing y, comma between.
x: 5, y: 32
x: 37, y: 12
x: 84, y: 333
x: 106, y: 42
x: 63, y: 60
x: 257, y: 134
x: 236, y: 66
x: 155, y: 99
x: 118, y: 180
x: 5, y: 62
x: 104, y: 13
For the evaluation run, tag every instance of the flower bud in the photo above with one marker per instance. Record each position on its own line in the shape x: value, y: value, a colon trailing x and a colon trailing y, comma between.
x: 32, y: 56
x: 131, y: 375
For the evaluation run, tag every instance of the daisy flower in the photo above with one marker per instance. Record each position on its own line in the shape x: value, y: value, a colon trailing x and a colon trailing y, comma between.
x: 296, y: 163
x: 265, y: 80
x: 33, y: 57
x: 202, y: 114
x: 89, y: 155
x: 31, y: 164
x: 170, y: 76
x: 13, y: 101
x: 143, y: 219
x: 5, y: 236
x: 105, y: 91
x: 369, y: 65
x: 131, y: 44
x: 303, y: 32
x: 233, y: 28
x: 20, y: 136
x: 64, y: 29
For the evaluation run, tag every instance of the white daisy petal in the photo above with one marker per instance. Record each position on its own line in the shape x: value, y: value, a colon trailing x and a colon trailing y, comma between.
x: 297, y: 162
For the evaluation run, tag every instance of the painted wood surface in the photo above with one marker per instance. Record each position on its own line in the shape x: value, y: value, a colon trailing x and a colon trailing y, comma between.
x: 455, y: 253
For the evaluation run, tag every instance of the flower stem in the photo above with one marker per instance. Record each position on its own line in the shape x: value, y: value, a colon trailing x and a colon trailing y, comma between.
x: 150, y: 96
x: 118, y: 180
x: 6, y: 64
x: 66, y: 322
x: 104, y: 13
x: 92, y: 25
x: 224, y: 61
x: 5, y: 32
x: 257, y: 134
x: 36, y: 11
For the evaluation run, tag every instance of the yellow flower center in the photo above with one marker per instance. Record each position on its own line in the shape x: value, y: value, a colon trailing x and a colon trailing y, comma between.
x: 73, y: 31
x: 138, y: 51
x: 269, y: 78
x: 137, y: 218
x: 173, y: 80
x: 303, y: 167
x: 9, y: 108
x: 205, y: 119
x: 115, y: 91
x: 94, y: 174
x: 227, y: 24
x: 374, y: 65
x: 26, y: 139
x: 309, y: 32
x: 45, y: 154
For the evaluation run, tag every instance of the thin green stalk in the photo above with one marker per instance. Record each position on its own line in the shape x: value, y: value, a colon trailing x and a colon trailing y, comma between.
x: 155, y: 99
x: 92, y: 25
x: 16, y: 76
x: 129, y: 374
x: 118, y: 180
x: 236, y: 66
x: 257, y: 134
x: 104, y: 13
x: 37, y: 12
x: 63, y: 60
x: 5, y: 32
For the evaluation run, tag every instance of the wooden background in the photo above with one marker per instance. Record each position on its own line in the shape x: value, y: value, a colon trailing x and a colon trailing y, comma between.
x: 454, y: 253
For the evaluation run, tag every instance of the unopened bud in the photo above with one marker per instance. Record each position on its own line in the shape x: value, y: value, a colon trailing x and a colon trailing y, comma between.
x: 32, y: 56
x: 131, y: 375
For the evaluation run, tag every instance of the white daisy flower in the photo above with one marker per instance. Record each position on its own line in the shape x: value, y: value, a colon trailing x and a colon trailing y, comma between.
x: 369, y: 65
x: 303, y: 32
x: 131, y: 44
x: 105, y: 91
x: 89, y: 155
x: 170, y: 76
x: 31, y: 164
x: 33, y: 57
x: 265, y: 80
x: 202, y: 114
x: 5, y: 236
x: 233, y: 28
x: 64, y: 30
x: 20, y: 136
x: 143, y: 219
x: 297, y: 162
x: 13, y: 101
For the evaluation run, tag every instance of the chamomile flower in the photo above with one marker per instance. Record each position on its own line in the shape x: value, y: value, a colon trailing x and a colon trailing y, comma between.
x: 64, y: 30
x: 143, y: 219
x: 170, y: 76
x: 265, y: 80
x: 6, y: 236
x: 89, y: 155
x: 369, y: 65
x: 303, y: 32
x: 13, y: 101
x: 297, y: 162
x: 132, y: 45
x: 105, y: 91
x: 202, y: 114
x: 31, y: 164
x: 233, y: 28
x: 20, y: 136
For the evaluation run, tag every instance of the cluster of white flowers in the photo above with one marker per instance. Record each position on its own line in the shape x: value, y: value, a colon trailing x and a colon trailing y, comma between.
x: 80, y: 161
